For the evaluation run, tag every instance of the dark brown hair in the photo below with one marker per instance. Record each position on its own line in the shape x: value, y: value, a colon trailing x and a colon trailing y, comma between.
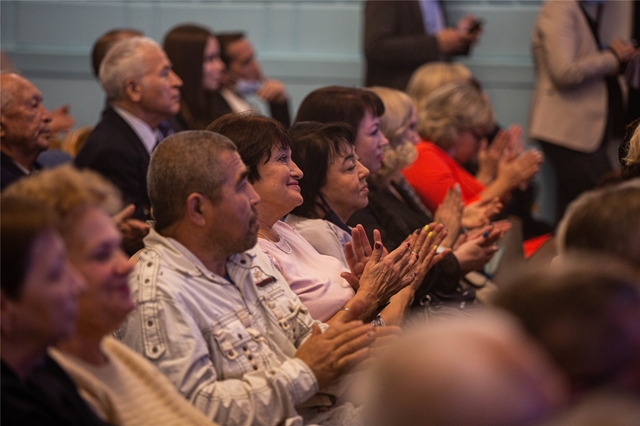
x: 339, y: 104
x: 314, y: 146
x: 105, y: 42
x: 185, y: 46
x: 225, y: 40
x: 254, y: 135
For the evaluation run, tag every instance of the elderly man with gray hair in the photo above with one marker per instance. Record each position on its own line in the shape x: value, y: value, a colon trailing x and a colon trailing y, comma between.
x: 24, y: 128
x: 142, y: 91
x: 215, y: 315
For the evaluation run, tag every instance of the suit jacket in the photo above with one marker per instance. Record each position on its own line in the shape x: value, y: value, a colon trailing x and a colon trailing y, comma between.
x: 114, y: 150
x: 9, y: 172
x: 395, y: 42
x: 279, y: 112
x: 569, y: 104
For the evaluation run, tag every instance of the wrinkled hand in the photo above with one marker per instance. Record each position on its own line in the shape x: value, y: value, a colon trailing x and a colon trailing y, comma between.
x: 479, y: 213
x: 132, y: 230
x: 272, y: 91
x: 358, y: 253
x: 518, y: 172
x: 425, y: 242
x: 453, y: 41
x: 449, y: 213
x: 61, y: 120
x: 384, y: 277
x: 343, y: 345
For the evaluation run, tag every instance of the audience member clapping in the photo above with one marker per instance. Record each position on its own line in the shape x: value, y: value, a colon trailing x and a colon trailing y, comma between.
x: 453, y: 122
x: 317, y: 279
x: 212, y: 311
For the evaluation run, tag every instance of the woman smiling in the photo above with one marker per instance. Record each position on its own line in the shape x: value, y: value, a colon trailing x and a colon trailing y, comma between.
x: 318, y: 280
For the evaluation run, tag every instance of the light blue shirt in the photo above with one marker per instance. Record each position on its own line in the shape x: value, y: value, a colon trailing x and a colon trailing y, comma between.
x: 431, y: 16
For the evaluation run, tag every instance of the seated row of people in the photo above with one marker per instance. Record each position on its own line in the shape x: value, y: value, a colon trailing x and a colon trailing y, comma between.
x: 251, y: 341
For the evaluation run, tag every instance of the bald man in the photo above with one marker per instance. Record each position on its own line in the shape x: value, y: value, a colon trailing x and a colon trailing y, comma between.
x: 24, y: 127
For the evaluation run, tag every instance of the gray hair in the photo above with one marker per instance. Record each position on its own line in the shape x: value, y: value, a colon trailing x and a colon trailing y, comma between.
x: 453, y: 108
x: 9, y: 84
x: 604, y: 220
x: 123, y: 61
x: 182, y: 164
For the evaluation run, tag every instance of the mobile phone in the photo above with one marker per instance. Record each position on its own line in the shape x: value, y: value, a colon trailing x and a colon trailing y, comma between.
x: 476, y: 26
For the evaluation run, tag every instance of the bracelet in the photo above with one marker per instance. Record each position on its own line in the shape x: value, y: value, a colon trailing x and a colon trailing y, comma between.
x: 344, y: 309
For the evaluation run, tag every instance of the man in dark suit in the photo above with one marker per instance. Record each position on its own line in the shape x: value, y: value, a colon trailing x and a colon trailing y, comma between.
x: 399, y: 36
x: 142, y: 91
x: 243, y: 76
x: 24, y: 128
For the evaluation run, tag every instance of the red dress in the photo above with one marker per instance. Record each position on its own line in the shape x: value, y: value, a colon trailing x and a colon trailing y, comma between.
x: 434, y: 172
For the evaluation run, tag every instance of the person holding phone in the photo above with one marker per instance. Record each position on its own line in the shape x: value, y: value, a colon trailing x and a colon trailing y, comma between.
x: 399, y: 36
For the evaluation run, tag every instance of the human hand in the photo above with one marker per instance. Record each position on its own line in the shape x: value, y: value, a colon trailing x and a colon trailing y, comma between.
x: 132, y: 230
x: 344, y: 344
x: 624, y: 50
x: 61, y: 120
x: 272, y: 91
x: 471, y: 25
x: 517, y: 172
x: 449, y: 213
x: 453, y: 41
x: 358, y: 252
x: 425, y: 242
x: 479, y: 213
x: 478, y: 249
x: 384, y: 277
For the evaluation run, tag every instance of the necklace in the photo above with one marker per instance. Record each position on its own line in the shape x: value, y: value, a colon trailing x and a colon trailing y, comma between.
x: 276, y: 244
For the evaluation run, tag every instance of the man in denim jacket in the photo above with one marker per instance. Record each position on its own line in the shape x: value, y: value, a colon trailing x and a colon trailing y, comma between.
x: 213, y: 314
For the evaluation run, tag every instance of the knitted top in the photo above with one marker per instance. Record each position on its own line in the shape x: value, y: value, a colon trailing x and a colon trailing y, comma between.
x: 128, y: 389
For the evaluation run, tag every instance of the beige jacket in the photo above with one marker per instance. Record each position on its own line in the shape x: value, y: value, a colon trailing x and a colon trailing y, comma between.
x: 569, y: 105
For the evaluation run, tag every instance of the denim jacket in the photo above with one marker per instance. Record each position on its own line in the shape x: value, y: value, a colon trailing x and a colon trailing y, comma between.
x: 228, y: 346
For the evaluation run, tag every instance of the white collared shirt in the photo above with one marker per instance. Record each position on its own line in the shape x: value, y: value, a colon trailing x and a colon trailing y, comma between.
x: 147, y: 135
x: 235, y: 101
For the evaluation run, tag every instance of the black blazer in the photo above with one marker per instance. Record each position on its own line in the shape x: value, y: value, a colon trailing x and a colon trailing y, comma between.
x: 395, y: 42
x: 279, y: 112
x: 114, y: 150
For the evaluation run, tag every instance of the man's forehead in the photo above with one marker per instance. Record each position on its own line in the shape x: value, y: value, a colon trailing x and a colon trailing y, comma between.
x: 154, y: 57
x: 233, y: 166
x: 20, y: 88
x: 240, y: 48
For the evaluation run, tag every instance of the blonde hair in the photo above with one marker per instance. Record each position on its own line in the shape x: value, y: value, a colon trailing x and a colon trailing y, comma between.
x: 398, y: 108
x: 68, y: 192
x: 633, y: 156
x: 453, y: 108
x: 433, y: 75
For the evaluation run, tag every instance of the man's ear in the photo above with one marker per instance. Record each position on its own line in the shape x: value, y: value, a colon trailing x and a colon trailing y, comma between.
x: 198, y: 207
x: 133, y: 90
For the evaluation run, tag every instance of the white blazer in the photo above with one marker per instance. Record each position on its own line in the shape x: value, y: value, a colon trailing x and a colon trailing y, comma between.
x: 569, y: 104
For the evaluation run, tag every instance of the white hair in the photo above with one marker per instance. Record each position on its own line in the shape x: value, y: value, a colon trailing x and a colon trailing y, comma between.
x: 123, y: 61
